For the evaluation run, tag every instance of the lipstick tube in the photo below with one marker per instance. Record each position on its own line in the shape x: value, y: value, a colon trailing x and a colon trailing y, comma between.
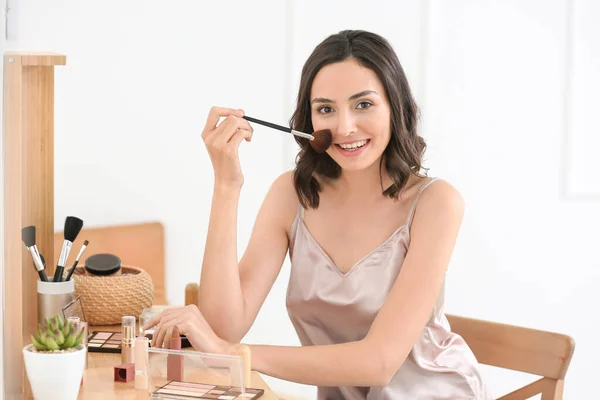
x: 175, y: 361
x: 127, y: 339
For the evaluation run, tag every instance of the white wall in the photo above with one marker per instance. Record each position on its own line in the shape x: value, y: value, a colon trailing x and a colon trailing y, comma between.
x: 583, y: 135
x: 491, y: 78
x: 497, y: 124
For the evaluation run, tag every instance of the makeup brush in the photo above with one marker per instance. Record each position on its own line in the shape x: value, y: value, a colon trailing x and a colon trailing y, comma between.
x: 72, y: 227
x: 28, y: 236
x: 85, y: 243
x: 319, y: 140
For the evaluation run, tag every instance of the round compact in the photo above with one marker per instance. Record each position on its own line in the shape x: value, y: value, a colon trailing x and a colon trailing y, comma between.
x: 102, y: 264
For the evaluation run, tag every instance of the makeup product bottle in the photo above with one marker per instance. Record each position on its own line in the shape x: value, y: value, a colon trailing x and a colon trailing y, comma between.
x: 141, y: 362
x: 77, y: 322
x: 127, y: 339
x: 175, y: 361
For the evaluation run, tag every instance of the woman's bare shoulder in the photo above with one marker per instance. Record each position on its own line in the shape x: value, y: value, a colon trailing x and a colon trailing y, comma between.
x: 442, y: 195
x: 283, y: 199
x: 283, y: 187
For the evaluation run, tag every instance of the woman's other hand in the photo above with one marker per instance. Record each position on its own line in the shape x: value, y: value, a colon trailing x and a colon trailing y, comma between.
x: 190, y: 322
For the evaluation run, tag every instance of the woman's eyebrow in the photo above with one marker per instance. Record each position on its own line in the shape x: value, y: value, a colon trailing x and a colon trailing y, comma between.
x: 354, y: 96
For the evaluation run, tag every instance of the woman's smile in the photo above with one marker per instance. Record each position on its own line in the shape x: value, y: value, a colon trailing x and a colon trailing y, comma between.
x: 352, y: 148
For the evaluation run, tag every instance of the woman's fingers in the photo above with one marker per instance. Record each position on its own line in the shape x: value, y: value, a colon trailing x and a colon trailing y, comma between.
x: 215, y: 114
x: 161, y: 324
x: 167, y: 337
x: 158, y: 335
x: 171, y: 333
x: 172, y: 329
x: 187, y: 321
x: 154, y: 321
x: 228, y: 128
x: 169, y: 322
x: 237, y: 138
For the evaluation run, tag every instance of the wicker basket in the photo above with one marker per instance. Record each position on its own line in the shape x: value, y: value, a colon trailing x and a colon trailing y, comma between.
x: 108, y: 298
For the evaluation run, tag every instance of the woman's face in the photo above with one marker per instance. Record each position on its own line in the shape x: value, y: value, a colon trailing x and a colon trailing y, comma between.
x: 349, y: 99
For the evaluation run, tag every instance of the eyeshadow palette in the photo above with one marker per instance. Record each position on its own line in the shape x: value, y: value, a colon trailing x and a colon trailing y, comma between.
x: 189, y: 390
x: 104, y: 342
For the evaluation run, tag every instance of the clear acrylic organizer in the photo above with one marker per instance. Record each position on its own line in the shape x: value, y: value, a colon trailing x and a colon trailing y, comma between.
x: 188, y: 374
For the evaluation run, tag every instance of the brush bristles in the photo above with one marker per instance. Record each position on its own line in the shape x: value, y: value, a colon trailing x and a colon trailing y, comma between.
x: 322, y: 140
x: 86, y: 242
x: 28, y: 235
x: 73, y: 226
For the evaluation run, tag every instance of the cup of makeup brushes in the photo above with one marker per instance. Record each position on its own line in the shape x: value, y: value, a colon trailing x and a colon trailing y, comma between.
x: 52, y: 297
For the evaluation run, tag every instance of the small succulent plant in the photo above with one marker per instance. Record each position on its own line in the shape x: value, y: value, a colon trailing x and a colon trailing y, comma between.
x: 55, y: 334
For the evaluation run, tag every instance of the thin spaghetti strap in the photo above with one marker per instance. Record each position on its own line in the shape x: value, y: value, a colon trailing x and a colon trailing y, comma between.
x: 298, y: 220
x: 414, y: 203
x: 300, y: 211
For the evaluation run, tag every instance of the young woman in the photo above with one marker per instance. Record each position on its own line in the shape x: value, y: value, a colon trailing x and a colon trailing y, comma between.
x: 369, y: 237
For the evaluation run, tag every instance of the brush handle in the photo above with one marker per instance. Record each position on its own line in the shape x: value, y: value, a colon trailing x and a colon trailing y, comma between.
x: 71, y: 271
x: 62, y: 260
x: 42, y: 272
x: 85, y: 243
x: 269, y: 124
x: 43, y: 276
x: 280, y: 128
x: 37, y: 263
x: 58, y: 274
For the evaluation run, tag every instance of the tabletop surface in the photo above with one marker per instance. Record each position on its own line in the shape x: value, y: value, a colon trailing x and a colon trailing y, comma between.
x: 99, y: 384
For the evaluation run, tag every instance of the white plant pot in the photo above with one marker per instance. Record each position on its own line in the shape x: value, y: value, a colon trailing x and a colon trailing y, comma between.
x: 54, y: 375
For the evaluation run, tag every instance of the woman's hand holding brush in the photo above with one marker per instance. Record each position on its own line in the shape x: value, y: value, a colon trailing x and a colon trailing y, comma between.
x: 222, y: 142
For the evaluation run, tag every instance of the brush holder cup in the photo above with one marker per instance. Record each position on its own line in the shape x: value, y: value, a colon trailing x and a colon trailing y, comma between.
x: 52, y: 297
x: 107, y: 298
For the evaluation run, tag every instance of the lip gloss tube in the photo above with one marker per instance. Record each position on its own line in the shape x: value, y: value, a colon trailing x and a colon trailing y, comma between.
x: 77, y: 322
x: 127, y: 339
x: 141, y: 362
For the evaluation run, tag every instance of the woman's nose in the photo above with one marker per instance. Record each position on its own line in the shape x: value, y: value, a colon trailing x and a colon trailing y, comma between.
x: 346, y: 124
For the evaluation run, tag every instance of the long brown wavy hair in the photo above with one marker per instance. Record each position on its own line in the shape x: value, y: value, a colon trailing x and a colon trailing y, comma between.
x: 404, y: 152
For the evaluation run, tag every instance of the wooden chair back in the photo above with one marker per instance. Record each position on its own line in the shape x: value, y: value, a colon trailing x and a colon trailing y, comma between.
x: 532, y: 351
x: 140, y: 245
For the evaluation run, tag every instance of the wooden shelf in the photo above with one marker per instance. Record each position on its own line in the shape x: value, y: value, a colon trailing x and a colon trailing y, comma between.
x: 28, y: 140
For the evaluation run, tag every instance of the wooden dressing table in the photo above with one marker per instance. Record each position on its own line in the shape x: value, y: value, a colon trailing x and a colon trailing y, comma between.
x: 99, y: 384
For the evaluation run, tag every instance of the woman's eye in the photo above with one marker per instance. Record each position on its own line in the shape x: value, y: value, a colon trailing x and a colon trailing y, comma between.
x: 324, y: 109
x: 364, y: 104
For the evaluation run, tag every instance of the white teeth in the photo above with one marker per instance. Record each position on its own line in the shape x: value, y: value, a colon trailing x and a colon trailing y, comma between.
x: 355, y: 145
